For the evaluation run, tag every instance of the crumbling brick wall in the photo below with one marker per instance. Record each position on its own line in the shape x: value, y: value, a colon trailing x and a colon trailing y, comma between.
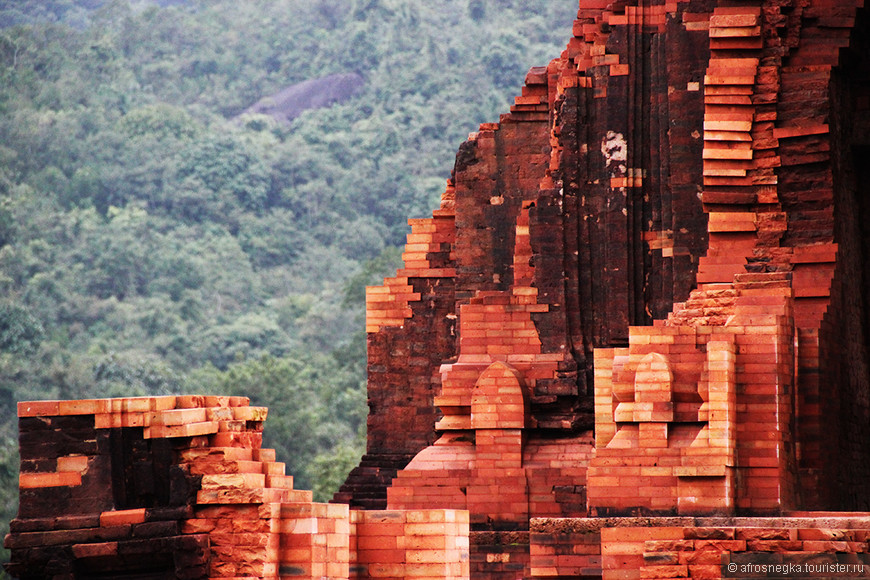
x: 695, y: 156
x: 180, y: 488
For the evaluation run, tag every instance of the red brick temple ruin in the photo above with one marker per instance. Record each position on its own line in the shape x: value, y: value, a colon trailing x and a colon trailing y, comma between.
x: 632, y: 342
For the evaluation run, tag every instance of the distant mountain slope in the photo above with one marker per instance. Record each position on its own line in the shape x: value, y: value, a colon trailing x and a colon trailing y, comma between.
x: 292, y: 101
x: 71, y: 12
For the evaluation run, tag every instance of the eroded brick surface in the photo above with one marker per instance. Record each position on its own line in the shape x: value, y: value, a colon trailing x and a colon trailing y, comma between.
x: 181, y: 488
x: 671, y: 277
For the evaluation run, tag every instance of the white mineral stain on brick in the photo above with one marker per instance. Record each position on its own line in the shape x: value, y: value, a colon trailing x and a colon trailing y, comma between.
x: 615, y: 151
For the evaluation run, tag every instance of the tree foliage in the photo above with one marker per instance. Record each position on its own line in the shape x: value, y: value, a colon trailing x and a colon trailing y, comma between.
x: 154, y: 240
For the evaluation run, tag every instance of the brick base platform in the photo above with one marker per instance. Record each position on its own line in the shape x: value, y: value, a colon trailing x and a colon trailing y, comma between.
x: 641, y: 548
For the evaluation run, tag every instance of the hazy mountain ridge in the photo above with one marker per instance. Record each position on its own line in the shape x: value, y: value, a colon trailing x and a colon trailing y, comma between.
x: 150, y: 244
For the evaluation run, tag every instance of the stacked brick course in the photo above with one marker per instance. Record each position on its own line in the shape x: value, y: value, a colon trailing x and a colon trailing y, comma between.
x: 635, y: 548
x: 698, y: 403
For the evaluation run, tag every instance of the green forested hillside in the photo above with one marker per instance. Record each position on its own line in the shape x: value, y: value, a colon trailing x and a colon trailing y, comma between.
x: 154, y: 241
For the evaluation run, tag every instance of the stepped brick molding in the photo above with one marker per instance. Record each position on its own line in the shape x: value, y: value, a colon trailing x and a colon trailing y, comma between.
x: 632, y: 342
x: 180, y: 487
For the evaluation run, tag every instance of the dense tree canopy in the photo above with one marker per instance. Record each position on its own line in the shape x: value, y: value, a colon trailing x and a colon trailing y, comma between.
x: 154, y: 239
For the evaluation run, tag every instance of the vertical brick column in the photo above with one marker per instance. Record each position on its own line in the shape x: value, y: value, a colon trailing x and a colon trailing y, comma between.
x: 697, y: 491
